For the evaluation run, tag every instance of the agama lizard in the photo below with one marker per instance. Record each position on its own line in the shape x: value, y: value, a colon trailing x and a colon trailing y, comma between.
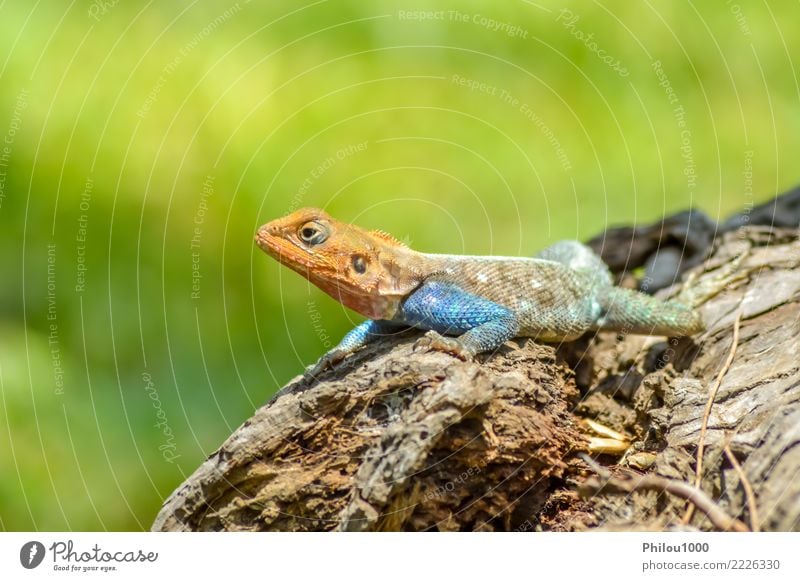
x: 468, y: 304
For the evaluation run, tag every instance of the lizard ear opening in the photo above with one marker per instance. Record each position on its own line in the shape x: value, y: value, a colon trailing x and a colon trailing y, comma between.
x: 359, y: 264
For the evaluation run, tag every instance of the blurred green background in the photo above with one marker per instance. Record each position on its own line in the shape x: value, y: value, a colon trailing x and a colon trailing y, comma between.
x: 143, y: 143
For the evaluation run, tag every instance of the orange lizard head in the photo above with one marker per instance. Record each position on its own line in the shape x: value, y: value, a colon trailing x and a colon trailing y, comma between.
x: 367, y: 271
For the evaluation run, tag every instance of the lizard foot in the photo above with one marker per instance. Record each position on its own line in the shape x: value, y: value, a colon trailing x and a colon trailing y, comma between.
x: 697, y: 293
x: 327, y: 361
x: 433, y: 341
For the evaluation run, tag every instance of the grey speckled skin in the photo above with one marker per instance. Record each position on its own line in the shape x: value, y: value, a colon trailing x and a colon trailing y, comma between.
x: 564, y: 292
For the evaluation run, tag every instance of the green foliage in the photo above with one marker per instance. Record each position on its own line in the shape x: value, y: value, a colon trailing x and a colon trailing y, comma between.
x: 485, y: 128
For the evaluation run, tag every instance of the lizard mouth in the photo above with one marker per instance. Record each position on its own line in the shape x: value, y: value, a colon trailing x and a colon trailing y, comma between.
x: 268, y: 238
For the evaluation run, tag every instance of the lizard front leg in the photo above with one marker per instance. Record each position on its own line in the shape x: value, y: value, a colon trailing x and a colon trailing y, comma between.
x: 352, y: 342
x: 486, y: 337
x: 445, y: 309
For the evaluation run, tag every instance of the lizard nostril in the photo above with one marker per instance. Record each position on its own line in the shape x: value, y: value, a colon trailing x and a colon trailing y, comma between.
x: 263, y: 234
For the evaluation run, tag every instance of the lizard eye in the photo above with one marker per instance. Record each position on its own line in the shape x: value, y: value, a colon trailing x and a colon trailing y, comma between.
x: 312, y: 233
x: 359, y: 264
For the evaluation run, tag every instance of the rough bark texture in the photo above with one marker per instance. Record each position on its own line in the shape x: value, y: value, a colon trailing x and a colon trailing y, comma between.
x: 421, y: 441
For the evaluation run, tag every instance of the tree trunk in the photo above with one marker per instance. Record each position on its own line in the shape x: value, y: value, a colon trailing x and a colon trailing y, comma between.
x: 400, y: 440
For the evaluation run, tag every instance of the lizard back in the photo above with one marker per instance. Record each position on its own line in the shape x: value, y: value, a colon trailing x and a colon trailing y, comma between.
x: 552, y: 301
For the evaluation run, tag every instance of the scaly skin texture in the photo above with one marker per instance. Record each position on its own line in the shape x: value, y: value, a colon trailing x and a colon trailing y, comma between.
x: 469, y: 304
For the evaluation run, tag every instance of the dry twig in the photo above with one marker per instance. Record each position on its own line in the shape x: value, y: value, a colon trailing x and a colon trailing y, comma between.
x: 748, y: 489
x: 701, y: 445
x: 632, y: 482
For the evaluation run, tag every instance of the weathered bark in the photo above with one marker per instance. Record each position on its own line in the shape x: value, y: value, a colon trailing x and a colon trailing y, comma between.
x: 421, y: 441
x: 756, y: 409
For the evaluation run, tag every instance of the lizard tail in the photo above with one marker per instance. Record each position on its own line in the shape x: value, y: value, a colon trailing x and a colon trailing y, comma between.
x: 627, y: 311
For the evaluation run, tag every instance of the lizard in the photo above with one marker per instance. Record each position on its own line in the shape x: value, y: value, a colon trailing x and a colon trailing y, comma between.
x: 467, y: 304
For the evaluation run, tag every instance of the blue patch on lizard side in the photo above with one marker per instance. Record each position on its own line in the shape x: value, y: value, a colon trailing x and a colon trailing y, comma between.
x: 447, y: 309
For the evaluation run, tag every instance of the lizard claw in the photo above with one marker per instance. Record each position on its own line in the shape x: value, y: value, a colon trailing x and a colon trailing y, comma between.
x: 433, y: 341
x: 327, y: 361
